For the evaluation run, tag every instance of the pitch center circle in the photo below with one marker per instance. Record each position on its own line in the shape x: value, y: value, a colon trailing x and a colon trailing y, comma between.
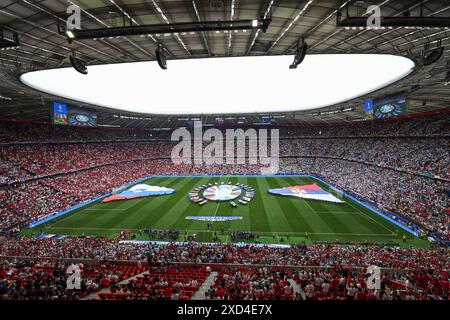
x: 222, y: 192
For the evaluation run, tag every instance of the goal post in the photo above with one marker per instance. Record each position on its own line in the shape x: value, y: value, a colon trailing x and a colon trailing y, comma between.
x: 118, y: 190
x: 336, y: 192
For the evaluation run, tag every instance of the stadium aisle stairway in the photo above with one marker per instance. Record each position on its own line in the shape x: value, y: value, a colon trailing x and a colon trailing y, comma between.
x: 200, y: 294
x: 96, y: 295
x: 297, y: 288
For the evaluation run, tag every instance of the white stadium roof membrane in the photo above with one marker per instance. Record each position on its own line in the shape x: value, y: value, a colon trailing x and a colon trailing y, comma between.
x: 232, y: 85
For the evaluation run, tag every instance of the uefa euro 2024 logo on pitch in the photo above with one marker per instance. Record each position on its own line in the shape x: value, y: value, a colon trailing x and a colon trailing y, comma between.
x: 73, y: 282
x: 212, y: 154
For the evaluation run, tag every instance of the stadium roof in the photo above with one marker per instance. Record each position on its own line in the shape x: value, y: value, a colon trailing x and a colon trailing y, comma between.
x: 42, y: 47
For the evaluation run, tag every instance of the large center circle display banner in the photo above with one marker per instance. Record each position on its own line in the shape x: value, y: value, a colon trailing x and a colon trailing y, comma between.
x: 222, y: 193
x: 235, y: 193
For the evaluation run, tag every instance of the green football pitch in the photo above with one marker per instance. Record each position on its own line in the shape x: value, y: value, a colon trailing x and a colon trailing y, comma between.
x: 274, y: 218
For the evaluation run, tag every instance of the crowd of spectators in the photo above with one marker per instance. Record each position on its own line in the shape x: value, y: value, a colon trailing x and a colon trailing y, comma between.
x: 250, y: 284
x: 301, y: 272
x: 297, y: 255
x: 76, y: 164
x: 47, y: 279
x: 363, y: 166
x: 431, y: 125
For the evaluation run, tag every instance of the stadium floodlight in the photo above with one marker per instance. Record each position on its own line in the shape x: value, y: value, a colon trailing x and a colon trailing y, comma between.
x: 78, y: 65
x: 9, y: 39
x: 300, y: 53
x: 165, y: 29
x: 354, y: 20
x: 70, y: 34
x: 432, y: 56
x: 160, y: 57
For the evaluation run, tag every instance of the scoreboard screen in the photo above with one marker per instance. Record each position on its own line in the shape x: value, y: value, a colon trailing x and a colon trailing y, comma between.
x: 62, y: 114
x: 386, y: 107
x: 82, y: 117
x: 368, y: 108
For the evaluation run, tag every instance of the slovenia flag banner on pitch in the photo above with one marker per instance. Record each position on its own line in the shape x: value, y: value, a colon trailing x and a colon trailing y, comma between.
x: 138, y: 191
x: 310, y: 191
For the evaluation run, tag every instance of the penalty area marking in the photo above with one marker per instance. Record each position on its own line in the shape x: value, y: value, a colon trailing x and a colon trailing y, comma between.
x: 370, y: 218
x: 360, y: 212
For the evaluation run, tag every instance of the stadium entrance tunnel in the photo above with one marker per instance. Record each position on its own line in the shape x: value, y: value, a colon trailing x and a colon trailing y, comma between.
x: 225, y: 85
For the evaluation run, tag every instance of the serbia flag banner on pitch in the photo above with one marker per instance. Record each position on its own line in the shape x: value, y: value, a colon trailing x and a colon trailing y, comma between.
x: 310, y: 191
x: 138, y: 191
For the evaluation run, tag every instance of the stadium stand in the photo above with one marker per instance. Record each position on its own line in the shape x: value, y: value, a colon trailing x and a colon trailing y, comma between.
x: 405, y: 174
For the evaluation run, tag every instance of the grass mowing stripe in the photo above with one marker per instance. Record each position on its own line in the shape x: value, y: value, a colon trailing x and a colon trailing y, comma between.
x: 102, y: 218
x: 265, y: 214
x: 257, y: 213
x: 328, y: 224
x: 113, y: 219
x: 363, y: 214
x: 157, y: 214
x: 367, y: 222
x: 241, y: 211
x: 83, y: 215
x: 142, y: 209
x: 274, y: 212
x: 315, y: 223
x: 177, y: 214
x: 293, y: 210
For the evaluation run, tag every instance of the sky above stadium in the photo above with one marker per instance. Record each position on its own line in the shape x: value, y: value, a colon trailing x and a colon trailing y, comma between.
x: 225, y: 85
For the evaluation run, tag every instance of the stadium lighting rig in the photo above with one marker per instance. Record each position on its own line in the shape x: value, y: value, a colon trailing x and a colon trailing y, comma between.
x: 9, y: 40
x: 429, y: 56
x: 78, y: 64
x: 173, y: 28
x: 407, y: 21
x: 160, y: 57
x: 300, y: 53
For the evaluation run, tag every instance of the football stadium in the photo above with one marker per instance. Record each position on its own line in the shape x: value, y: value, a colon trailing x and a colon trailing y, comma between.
x: 224, y: 150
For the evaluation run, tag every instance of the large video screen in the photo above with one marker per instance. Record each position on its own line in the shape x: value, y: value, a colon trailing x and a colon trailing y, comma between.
x: 63, y: 114
x: 60, y: 113
x: 390, y: 106
x: 82, y: 117
x: 368, y: 109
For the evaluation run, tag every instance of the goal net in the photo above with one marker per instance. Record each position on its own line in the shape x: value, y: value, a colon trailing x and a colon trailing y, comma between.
x: 337, y: 193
